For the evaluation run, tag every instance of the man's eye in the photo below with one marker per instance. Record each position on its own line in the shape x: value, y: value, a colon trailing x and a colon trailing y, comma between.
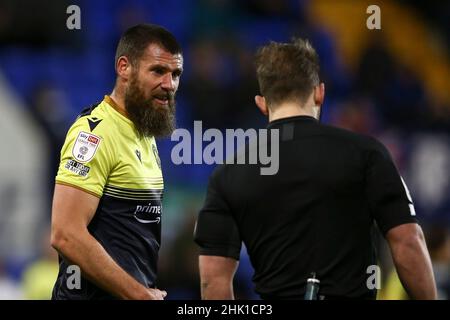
x: 158, y: 71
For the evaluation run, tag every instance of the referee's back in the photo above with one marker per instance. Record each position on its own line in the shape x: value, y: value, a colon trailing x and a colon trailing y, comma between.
x: 315, y: 215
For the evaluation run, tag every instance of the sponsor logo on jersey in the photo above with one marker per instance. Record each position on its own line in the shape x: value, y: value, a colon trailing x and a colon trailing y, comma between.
x: 93, y: 139
x: 77, y: 168
x: 150, y: 213
x: 85, y: 146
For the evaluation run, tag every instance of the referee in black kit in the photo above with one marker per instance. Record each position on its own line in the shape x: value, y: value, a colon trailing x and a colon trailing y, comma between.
x: 317, y: 214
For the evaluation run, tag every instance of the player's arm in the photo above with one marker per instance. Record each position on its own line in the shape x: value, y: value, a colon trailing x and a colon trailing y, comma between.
x: 216, y: 274
x: 412, y: 261
x: 72, y: 211
x: 393, y: 209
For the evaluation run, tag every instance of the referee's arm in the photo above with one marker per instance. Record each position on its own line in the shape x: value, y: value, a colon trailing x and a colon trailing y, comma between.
x: 72, y: 211
x: 216, y: 274
x: 394, y: 212
x: 217, y: 235
x: 412, y: 261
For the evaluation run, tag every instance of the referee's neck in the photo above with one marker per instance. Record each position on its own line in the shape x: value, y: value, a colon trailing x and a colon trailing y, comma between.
x: 290, y: 109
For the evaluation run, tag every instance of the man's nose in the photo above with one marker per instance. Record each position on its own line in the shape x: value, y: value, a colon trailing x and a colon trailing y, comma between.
x: 168, y: 82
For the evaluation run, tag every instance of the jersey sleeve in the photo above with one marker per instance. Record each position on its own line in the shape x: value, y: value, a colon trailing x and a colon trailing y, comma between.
x: 86, y: 159
x: 389, y: 198
x: 216, y: 231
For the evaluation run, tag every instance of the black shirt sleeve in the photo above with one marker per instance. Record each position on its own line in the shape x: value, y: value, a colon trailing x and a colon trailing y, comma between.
x: 216, y: 231
x: 389, y: 199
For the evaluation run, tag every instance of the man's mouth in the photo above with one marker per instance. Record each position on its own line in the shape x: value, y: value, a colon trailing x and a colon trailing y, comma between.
x: 161, y: 99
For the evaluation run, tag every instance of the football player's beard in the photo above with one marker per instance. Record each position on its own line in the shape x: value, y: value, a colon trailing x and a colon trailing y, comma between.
x: 148, y: 116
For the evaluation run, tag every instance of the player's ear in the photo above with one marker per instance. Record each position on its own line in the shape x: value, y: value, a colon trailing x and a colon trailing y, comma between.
x: 261, y: 104
x: 123, y: 67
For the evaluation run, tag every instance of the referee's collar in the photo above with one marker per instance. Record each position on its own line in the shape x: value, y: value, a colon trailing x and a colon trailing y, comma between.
x: 291, y: 119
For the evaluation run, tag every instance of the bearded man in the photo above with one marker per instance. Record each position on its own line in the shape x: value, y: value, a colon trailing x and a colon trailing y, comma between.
x: 106, y: 215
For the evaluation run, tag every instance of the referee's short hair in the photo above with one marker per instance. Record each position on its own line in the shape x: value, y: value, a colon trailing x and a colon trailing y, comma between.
x: 136, y: 39
x: 287, y: 71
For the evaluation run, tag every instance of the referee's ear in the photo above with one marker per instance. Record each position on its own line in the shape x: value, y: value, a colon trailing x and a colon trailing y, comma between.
x: 319, y: 94
x: 261, y: 104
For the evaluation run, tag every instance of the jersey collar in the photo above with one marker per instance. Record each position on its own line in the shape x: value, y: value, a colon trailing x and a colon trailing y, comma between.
x: 291, y: 119
x: 116, y: 108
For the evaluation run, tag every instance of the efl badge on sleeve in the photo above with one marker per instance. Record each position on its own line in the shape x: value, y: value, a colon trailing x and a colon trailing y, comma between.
x: 85, y: 146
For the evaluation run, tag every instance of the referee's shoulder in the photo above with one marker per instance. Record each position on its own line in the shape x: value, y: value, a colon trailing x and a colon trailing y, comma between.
x: 225, y: 175
x: 219, y: 171
x: 362, y: 141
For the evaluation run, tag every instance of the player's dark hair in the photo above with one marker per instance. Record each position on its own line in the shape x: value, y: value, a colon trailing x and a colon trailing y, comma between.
x: 136, y: 39
x: 287, y: 71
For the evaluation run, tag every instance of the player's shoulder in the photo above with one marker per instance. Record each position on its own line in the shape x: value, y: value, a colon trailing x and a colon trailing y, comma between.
x: 95, y: 120
x: 92, y: 132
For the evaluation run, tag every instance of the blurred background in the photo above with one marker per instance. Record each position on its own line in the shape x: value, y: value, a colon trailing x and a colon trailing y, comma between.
x: 392, y: 83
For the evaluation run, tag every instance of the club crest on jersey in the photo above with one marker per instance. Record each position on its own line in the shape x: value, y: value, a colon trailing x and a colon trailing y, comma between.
x: 85, y: 146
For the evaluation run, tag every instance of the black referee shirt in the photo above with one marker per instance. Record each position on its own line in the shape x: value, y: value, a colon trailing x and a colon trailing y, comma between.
x: 315, y: 215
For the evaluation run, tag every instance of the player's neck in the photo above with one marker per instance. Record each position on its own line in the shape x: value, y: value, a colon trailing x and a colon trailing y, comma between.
x: 118, y: 99
x: 289, y: 109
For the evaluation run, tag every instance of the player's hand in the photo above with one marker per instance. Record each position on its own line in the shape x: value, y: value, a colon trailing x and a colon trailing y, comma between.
x: 155, y: 294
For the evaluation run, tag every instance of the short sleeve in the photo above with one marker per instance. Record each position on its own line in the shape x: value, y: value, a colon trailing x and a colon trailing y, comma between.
x: 216, y: 231
x: 389, y: 199
x: 86, y: 159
